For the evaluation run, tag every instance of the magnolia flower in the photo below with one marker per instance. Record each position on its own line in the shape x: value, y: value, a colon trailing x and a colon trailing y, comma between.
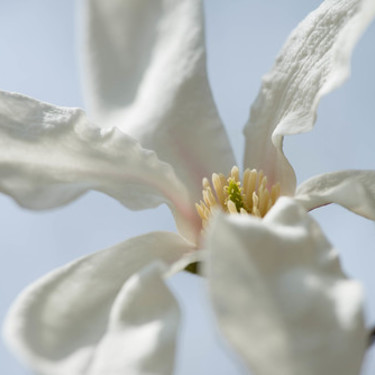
x: 159, y: 137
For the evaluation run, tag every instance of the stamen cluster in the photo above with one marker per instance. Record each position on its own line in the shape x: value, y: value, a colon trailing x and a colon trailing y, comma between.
x: 226, y: 193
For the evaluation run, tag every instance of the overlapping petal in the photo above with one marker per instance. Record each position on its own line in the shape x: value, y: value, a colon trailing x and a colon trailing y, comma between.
x: 352, y: 189
x: 145, y: 70
x: 51, y: 155
x: 142, y: 333
x: 280, y: 296
x: 314, y: 61
x: 101, y: 314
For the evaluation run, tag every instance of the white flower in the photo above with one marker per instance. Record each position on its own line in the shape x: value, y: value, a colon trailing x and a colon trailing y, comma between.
x: 110, y: 312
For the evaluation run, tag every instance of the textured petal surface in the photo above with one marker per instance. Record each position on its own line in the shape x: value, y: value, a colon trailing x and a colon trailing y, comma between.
x: 314, y: 61
x: 280, y: 296
x: 145, y: 72
x: 50, y: 155
x: 72, y: 319
x: 354, y: 190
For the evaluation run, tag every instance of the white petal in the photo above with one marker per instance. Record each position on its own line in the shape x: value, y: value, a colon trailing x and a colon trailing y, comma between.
x: 142, y: 331
x: 145, y: 70
x: 51, y: 155
x: 314, y: 61
x: 66, y: 322
x: 354, y: 190
x: 280, y: 296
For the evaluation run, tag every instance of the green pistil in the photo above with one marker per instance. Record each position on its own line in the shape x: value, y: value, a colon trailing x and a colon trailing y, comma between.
x: 234, y: 193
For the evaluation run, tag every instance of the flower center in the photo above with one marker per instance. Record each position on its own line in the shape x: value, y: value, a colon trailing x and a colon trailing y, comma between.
x: 252, y: 198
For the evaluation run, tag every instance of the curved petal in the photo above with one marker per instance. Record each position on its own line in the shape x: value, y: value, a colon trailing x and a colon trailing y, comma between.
x: 280, y: 296
x: 142, y: 331
x: 51, y: 155
x: 145, y: 72
x: 68, y: 321
x: 313, y: 62
x: 354, y: 190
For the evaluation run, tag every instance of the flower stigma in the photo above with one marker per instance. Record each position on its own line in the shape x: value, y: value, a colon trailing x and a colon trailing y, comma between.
x: 253, y: 197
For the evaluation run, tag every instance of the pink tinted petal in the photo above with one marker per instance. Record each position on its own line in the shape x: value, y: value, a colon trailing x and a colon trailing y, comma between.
x: 314, y: 61
x: 145, y: 73
x: 51, y: 155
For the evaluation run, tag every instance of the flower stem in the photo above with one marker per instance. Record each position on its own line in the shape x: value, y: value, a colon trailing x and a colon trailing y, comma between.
x: 371, y: 340
x: 193, y: 268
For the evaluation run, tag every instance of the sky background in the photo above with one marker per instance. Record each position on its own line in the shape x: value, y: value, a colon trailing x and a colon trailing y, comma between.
x: 40, y: 57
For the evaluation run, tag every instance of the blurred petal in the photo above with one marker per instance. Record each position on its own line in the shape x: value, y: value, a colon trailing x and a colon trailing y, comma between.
x: 280, y: 296
x: 314, y: 61
x: 68, y: 321
x: 193, y: 258
x: 354, y: 190
x: 142, y: 332
x: 51, y: 155
x: 145, y: 73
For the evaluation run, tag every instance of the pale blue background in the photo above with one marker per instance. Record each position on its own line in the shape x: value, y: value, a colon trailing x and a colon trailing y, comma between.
x: 38, y: 57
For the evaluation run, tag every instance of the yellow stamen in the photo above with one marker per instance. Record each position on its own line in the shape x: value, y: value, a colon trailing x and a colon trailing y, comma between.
x: 235, y: 173
x: 232, y: 207
x: 219, y: 188
x: 253, y: 198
